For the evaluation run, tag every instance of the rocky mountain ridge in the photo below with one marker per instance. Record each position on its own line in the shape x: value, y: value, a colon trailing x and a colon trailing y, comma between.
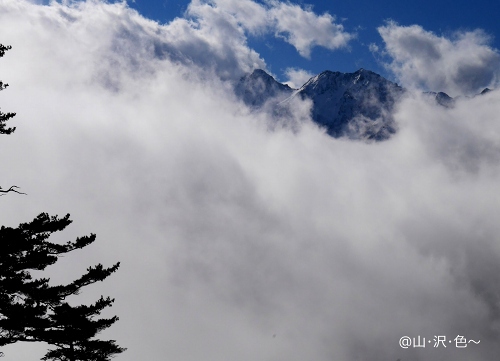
x: 356, y: 105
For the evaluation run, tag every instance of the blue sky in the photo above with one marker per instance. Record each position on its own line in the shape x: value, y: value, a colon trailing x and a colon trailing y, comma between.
x: 357, y: 16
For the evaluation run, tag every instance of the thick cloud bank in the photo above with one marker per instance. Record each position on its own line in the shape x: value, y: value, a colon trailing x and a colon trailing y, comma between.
x: 462, y: 65
x: 211, y: 36
x: 237, y: 242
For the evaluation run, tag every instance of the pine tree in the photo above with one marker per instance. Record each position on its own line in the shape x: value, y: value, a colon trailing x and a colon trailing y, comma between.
x: 32, y: 310
x: 73, y: 332
x: 5, y: 116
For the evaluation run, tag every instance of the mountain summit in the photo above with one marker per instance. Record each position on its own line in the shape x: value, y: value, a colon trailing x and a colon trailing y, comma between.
x: 356, y: 105
x: 258, y: 88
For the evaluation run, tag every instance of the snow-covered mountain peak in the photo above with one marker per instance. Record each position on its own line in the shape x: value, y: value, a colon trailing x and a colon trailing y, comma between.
x: 328, y: 78
x: 357, y: 105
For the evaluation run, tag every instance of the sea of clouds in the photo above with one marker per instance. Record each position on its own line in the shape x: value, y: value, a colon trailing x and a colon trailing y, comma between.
x: 239, y: 242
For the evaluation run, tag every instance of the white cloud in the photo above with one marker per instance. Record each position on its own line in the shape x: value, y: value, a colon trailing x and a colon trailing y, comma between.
x: 304, y: 29
x: 373, y: 48
x: 463, y: 64
x: 299, y: 26
x: 229, y: 234
x: 213, y: 34
x: 212, y: 38
x: 252, y: 16
x: 297, y: 77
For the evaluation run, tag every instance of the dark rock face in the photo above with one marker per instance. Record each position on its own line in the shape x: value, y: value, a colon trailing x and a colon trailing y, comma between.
x: 445, y: 100
x: 442, y: 99
x: 258, y: 88
x: 357, y: 105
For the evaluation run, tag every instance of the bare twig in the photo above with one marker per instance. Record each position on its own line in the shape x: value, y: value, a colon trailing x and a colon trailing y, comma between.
x: 11, y: 189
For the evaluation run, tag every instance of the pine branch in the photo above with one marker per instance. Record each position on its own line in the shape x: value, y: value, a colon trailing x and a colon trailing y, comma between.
x: 3, y: 49
x: 11, y: 189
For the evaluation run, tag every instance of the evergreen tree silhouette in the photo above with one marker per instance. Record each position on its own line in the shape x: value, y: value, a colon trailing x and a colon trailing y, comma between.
x: 32, y: 310
x: 5, y: 116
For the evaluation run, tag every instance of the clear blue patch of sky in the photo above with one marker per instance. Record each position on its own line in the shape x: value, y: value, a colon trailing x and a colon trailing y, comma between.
x: 443, y: 17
